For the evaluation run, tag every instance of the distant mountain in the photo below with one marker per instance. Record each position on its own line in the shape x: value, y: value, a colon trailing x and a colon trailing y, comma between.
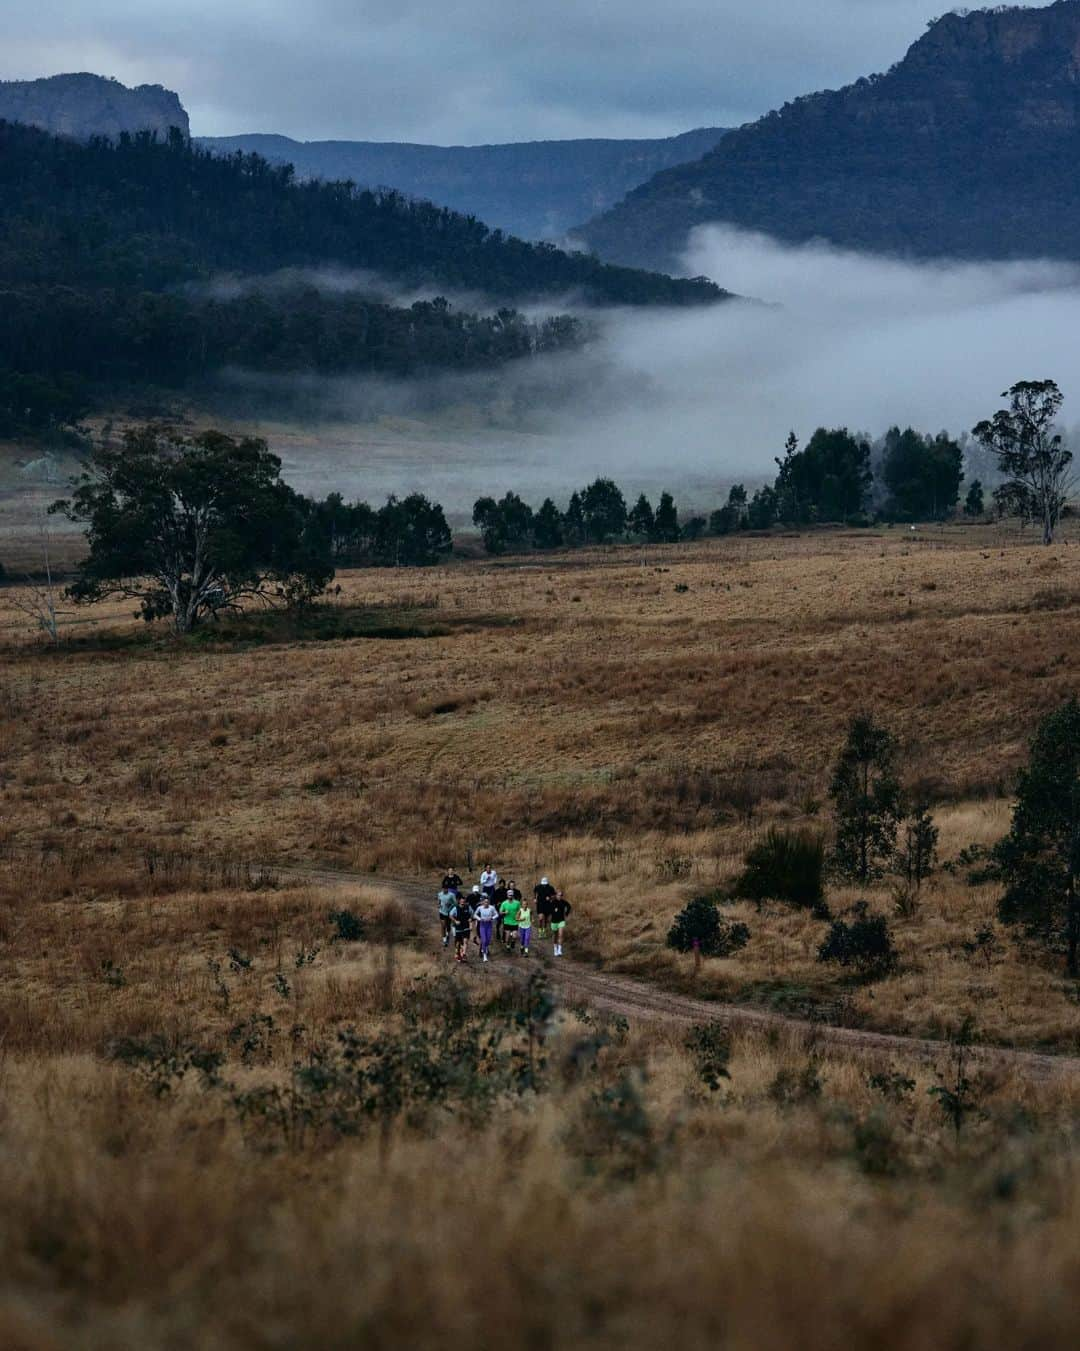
x: 84, y: 105
x: 535, y: 189
x: 967, y: 148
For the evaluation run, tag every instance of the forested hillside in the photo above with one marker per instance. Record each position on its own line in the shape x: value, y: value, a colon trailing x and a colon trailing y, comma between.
x: 106, y: 250
x: 535, y: 189
x: 967, y: 148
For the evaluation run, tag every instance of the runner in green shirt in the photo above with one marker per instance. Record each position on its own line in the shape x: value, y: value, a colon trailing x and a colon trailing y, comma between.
x: 509, y: 912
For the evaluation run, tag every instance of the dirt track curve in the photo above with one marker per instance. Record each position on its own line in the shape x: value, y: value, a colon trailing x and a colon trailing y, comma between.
x: 637, y: 999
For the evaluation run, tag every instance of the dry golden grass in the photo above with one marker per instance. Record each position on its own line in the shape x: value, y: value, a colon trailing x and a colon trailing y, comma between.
x: 626, y: 721
x: 585, y: 718
x: 795, y: 1205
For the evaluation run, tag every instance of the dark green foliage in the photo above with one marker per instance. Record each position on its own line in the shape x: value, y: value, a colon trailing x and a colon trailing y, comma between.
x: 573, y: 521
x: 603, y: 510
x: 891, y: 1084
x: 792, y: 1087
x: 733, y: 515
x: 1014, y: 499
x: 641, y: 520
x: 863, y: 944
x: 1039, y: 859
x: 191, y: 527
x: 828, y: 481
x: 922, y: 475
x: 349, y: 530
x: 462, y: 1063
x: 162, y: 1063
x: 956, y: 1095
x: 874, y: 1144
x: 408, y: 532
x: 506, y: 525
x: 866, y: 800
x: 548, y: 526
x: 983, y: 943
x: 254, y: 1038
x: 762, y: 511
x: 973, y: 502
x: 348, y: 927
x: 1030, y: 452
x: 784, y: 866
x: 666, y: 522
x: 147, y: 214
x: 918, y: 853
x: 700, y: 927
x: 694, y: 528
x: 617, y: 1136
x: 411, y: 533
x: 710, y: 1045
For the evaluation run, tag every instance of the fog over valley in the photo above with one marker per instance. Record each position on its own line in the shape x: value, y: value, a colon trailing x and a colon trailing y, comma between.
x: 696, y: 399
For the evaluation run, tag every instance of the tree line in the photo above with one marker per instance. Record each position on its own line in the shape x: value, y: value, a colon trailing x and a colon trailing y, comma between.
x: 919, y: 477
x: 597, y: 514
x: 64, y: 351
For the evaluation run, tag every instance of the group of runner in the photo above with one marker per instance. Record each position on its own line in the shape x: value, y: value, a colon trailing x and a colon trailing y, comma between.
x: 495, y: 911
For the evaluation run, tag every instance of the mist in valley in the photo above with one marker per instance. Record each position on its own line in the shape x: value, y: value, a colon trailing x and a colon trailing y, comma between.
x: 695, y: 399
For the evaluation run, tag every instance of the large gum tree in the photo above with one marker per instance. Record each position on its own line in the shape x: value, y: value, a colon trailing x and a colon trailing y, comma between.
x: 189, y: 526
x: 1031, y: 453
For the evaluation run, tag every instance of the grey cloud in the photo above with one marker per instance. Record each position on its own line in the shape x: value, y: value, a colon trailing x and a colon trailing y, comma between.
x: 467, y: 71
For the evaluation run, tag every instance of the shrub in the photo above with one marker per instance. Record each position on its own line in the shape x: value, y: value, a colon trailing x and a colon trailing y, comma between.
x: 348, y: 928
x: 864, y: 944
x: 699, y: 926
x: 710, y: 1045
x: 784, y: 866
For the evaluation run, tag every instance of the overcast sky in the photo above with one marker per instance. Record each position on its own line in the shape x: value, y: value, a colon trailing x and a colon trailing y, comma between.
x: 465, y: 71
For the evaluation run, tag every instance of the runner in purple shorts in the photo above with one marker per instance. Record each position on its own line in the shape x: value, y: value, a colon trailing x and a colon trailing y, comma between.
x: 485, y: 916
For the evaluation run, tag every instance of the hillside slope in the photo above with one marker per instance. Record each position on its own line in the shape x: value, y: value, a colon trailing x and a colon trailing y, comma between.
x: 145, y: 264
x: 536, y: 189
x: 967, y: 148
x: 85, y: 105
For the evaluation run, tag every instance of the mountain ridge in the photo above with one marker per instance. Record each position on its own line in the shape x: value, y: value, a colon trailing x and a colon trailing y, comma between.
x: 533, y: 189
x: 964, y: 148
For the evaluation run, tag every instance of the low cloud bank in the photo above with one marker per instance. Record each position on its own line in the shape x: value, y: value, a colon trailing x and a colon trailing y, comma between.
x: 694, y: 399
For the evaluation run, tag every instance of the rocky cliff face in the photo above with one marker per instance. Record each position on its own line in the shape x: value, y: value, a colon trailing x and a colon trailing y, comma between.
x: 83, y: 105
x: 967, y: 148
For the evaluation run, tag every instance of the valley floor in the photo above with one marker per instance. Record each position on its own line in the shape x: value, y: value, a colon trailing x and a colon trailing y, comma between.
x: 627, y: 721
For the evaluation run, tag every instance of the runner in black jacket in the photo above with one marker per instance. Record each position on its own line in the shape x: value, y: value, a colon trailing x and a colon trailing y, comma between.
x: 543, y: 895
x: 558, y: 915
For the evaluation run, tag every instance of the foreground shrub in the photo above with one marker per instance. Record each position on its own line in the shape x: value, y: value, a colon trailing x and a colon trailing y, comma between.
x: 710, y: 1045
x: 865, y: 944
x: 785, y: 866
x: 700, y: 927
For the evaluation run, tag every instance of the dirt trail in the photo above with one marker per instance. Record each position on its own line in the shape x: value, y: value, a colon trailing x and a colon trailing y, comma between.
x: 636, y: 999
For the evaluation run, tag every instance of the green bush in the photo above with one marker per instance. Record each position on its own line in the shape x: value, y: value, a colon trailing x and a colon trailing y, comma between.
x: 865, y: 944
x: 348, y: 928
x: 700, y: 925
x: 785, y: 866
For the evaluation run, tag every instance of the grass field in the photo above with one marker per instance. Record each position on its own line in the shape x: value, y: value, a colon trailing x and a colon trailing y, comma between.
x: 628, y: 722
